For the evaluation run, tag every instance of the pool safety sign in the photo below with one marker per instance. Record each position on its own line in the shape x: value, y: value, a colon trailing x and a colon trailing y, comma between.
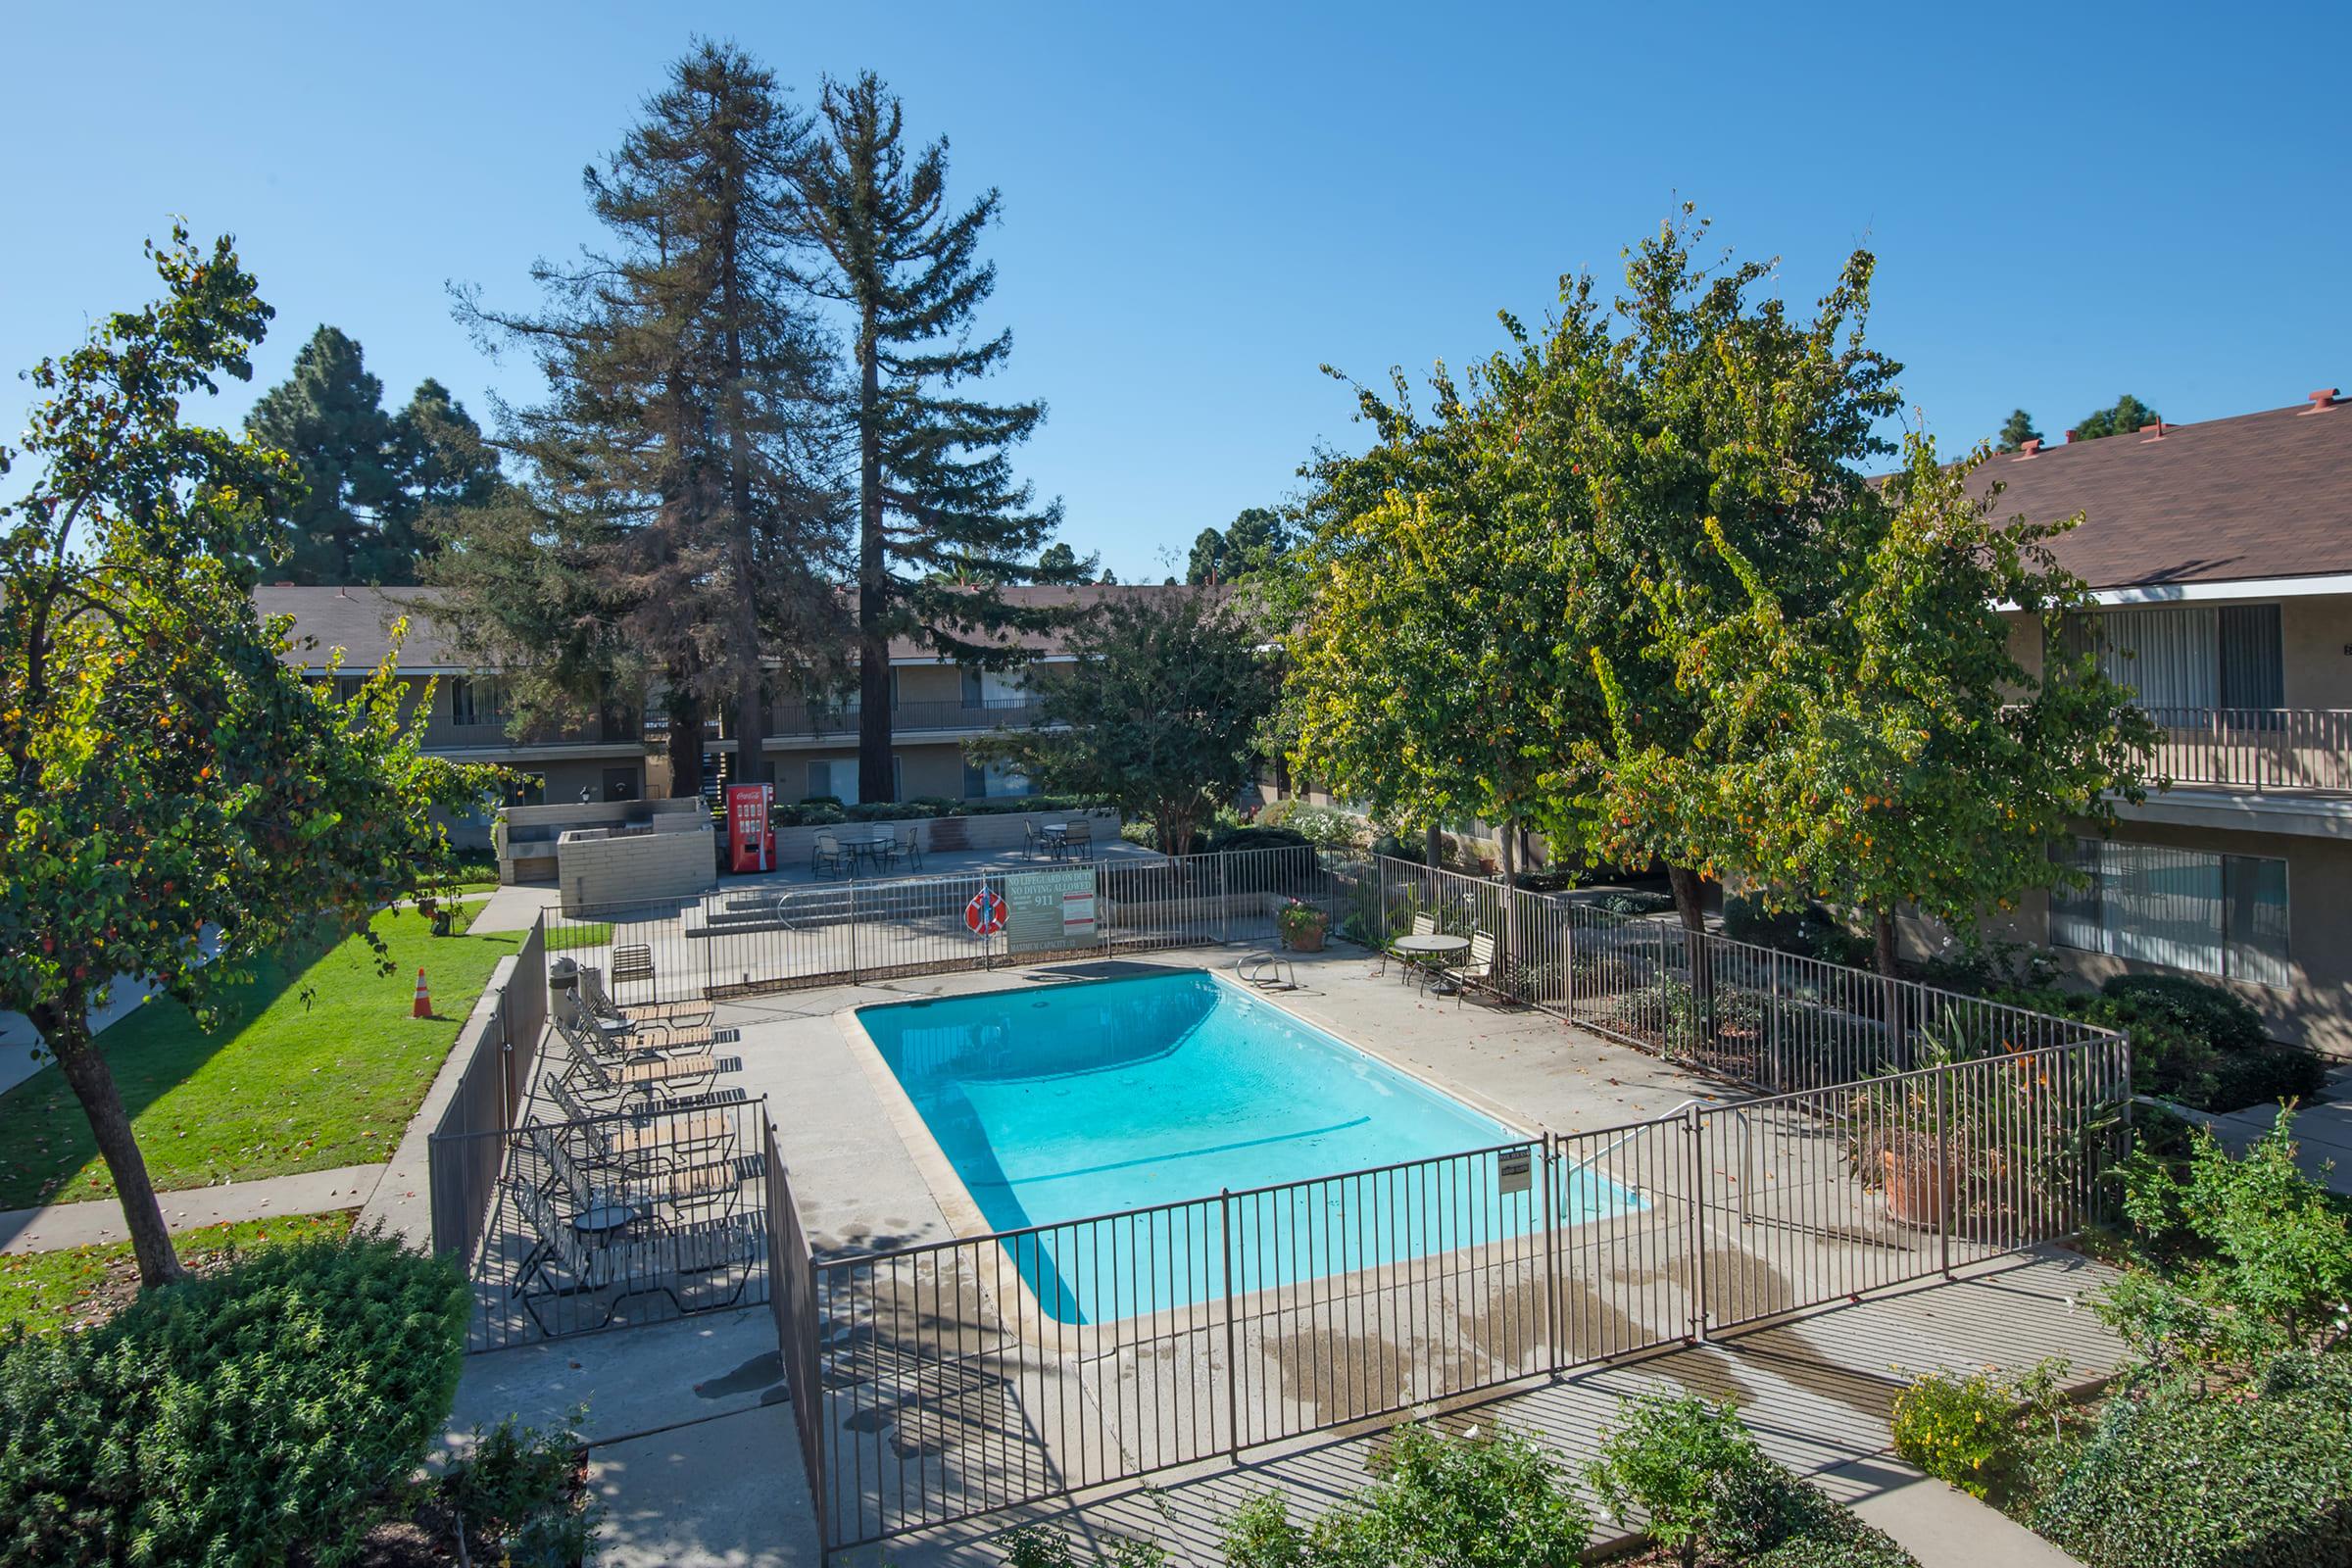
x: 1516, y: 1167
x: 1050, y: 910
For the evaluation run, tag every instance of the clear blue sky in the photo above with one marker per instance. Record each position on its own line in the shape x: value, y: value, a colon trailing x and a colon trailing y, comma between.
x: 1204, y: 203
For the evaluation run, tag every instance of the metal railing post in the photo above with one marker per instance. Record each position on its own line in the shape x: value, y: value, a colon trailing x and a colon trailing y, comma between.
x: 1552, y: 1260
x: 1233, y: 1365
x: 1695, y: 1134
x: 1942, y: 1165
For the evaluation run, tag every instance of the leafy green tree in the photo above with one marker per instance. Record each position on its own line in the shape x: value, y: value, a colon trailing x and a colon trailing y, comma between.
x: 167, y: 774
x: 936, y: 488
x: 1711, y: 415
x: 1426, y: 676
x: 1161, y: 713
x: 1890, y: 749
x: 677, y: 521
x: 2127, y: 416
x: 2016, y: 431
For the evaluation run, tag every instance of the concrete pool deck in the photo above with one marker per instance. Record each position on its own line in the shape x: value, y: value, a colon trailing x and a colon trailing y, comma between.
x: 674, y: 1408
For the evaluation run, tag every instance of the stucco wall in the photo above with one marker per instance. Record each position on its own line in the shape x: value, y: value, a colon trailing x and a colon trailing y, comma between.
x: 2313, y: 634
x: 677, y: 859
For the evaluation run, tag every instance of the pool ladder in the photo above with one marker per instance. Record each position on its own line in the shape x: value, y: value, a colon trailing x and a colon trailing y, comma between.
x: 1263, y: 969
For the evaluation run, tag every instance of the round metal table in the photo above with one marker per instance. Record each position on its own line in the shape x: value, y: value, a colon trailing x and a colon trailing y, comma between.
x: 1428, y: 953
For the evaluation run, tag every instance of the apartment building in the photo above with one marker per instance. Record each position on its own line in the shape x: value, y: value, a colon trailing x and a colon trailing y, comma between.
x: 2221, y: 555
x: 471, y: 716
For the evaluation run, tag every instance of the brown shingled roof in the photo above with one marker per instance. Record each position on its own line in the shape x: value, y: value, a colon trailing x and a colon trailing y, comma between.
x: 2260, y: 495
x: 359, y: 621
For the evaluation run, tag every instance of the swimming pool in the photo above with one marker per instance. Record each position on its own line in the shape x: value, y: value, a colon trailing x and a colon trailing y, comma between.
x: 1106, y: 1097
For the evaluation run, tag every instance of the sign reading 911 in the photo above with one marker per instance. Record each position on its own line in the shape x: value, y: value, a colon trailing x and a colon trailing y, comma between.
x: 1049, y: 909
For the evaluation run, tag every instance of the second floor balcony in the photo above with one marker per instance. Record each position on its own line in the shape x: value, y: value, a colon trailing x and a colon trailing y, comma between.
x: 2304, y: 750
x: 807, y: 721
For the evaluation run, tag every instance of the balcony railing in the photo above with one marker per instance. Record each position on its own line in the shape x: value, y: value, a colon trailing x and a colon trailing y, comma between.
x: 802, y: 720
x: 2305, y: 748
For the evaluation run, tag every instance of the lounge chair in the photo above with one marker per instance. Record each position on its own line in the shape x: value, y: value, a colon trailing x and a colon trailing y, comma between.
x: 623, y: 1039
x: 645, y: 1143
x: 615, y: 1264
x: 588, y: 1181
x: 675, y: 1014
x: 826, y: 857
x: 654, y: 1079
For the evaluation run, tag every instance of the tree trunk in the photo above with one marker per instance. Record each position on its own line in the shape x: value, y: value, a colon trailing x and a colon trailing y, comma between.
x: 685, y: 745
x: 874, y: 782
x: 65, y: 1024
x: 1690, y: 896
x: 1886, y: 949
x: 1433, y: 846
x: 743, y: 653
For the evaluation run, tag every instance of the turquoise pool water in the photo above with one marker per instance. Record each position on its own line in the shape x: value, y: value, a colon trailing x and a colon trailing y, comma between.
x: 1059, y: 1105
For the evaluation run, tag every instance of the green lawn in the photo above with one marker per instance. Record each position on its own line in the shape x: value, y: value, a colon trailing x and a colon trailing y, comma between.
x: 83, y: 1285
x: 317, y: 1064
x: 580, y: 934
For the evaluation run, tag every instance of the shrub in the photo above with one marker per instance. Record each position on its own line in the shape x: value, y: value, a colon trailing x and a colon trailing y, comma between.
x: 514, y: 1497
x: 1033, y: 1547
x: 1965, y: 1427
x: 1325, y: 827
x: 2175, y: 1475
x: 1691, y: 1468
x: 1239, y: 840
x: 1491, y: 1502
x: 233, y: 1419
x: 2241, y: 1258
x: 2227, y: 1022
x: 1634, y: 902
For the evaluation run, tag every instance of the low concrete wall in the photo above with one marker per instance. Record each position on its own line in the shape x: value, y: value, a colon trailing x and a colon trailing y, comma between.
x: 999, y: 830
x: 525, y: 836
x: 675, y: 860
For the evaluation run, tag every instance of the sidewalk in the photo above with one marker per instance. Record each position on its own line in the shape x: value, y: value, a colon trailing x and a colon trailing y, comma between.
x: 2322, y: 1131
x: 100, y: 1220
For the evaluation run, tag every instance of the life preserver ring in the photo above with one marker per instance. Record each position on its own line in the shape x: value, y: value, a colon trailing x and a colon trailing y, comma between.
x: 983, y: 916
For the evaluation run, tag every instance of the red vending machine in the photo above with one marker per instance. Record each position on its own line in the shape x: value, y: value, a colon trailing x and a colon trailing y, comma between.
x: 751, y: 842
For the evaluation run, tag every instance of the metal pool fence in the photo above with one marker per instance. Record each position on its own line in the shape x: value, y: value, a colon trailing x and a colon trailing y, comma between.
x: 938, y: 1383
x: 462, y: 1167
x: 1774, y: 1020
x: 773, y: 936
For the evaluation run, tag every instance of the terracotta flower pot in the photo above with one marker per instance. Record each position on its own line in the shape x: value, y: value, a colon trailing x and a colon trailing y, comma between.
x: 1919, y: 1185
x: 1307, y: 939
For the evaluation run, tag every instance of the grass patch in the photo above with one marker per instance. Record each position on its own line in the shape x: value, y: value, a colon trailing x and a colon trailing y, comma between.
x: 316, y: 1063
x: 579, y: 934
x: 81, y: 1286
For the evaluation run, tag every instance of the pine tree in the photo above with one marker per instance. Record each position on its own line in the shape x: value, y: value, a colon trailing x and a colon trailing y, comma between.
x: 2017, y: 430
x: 936, y: 490
x: 329, y: 417
x: 677, y: 525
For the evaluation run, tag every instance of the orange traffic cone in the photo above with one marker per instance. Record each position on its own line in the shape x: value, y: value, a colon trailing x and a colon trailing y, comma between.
x: 423, y: 1007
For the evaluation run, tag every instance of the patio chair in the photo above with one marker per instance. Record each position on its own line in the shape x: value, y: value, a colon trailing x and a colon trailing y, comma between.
x: 884, y: 853
x: 910, y: 847
x: 1078, y: 840
x: 1477, y: 969
x: 826, y: 857
x: 1034, y: 842
x: 1408, y: 965
x: 601, y: 1004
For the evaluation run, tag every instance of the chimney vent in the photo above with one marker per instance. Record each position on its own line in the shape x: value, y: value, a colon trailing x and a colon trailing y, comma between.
x: 2157, y: 428
x: 2322, y: 400
x: 2029, y: 446
x: 2070, y: 438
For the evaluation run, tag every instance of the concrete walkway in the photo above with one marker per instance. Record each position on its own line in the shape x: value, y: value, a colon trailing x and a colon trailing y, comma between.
x: 100, y: 1220
x: 1941, y: 1526
x: 2322, y: 1131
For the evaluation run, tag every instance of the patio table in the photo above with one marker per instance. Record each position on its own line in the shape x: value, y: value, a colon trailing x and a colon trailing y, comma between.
x: 869, y: 845
x: 1429, y: 953
x: 1057, y: 837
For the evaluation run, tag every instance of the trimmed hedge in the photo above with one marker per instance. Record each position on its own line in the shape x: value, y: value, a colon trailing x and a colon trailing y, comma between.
x: 823, y: 810
x: 2174, y: 1476
x: 252, y: 1417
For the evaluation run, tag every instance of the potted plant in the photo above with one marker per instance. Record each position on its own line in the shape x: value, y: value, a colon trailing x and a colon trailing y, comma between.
x: 1303, y: 925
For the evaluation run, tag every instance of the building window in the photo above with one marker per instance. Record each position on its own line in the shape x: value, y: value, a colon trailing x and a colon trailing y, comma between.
x: 528, y: 788
x: 994, y: 781
x: 348, y: 687
x: 478, y: 701
x: 2189, y: 658
x: 2217, y: 915
x: 838, y: 779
